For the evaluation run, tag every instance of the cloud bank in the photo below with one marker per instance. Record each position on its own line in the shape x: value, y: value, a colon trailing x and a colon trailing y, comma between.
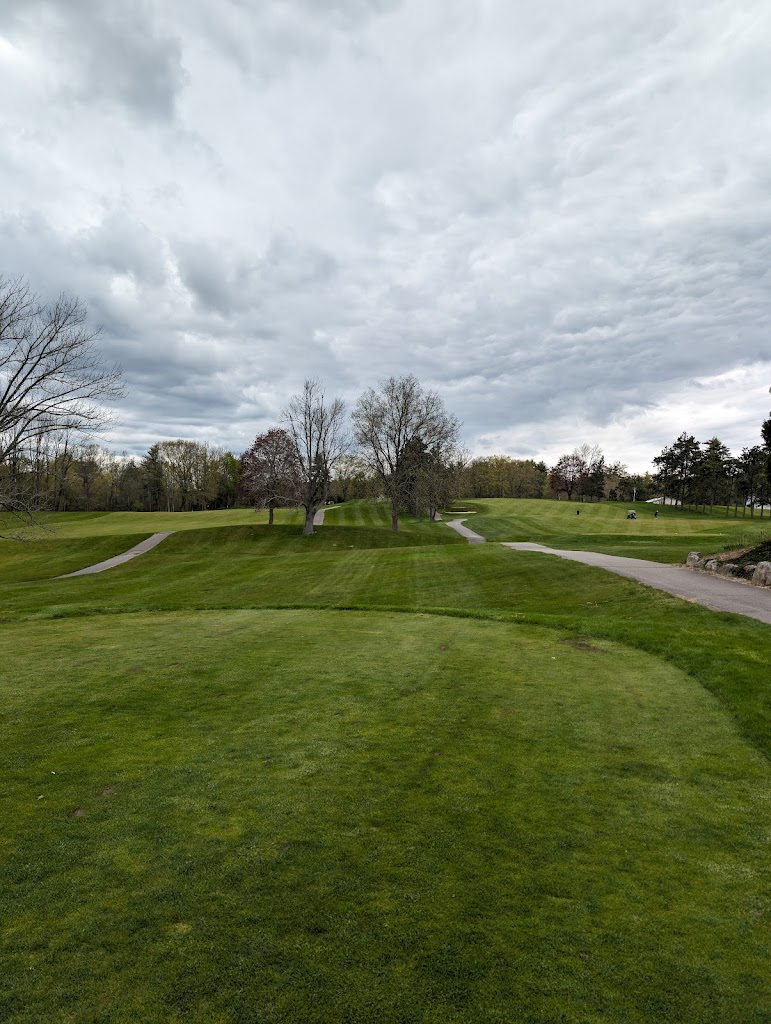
x: 559, y: 217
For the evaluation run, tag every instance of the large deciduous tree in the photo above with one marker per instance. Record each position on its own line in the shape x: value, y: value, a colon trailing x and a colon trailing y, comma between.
x: 500, y: 476
x: 271, y: 473
x: 52, y: 380
x: 399, y: 427
x: 184, y: 476
x: 568, y: 475
x: 317, y: 428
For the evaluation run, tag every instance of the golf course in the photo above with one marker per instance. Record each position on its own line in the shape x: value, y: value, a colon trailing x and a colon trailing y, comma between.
x: 256, y: 777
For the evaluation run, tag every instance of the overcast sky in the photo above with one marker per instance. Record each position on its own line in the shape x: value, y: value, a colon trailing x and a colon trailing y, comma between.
x: 556, y: 214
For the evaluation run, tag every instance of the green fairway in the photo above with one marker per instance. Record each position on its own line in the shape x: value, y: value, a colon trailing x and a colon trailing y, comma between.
x: 69, y: 525
x: 255, y: 776
x: 604, y: 527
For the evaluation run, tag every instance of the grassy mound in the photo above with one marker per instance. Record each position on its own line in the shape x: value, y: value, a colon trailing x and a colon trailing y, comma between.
x: 358, y: 776
x: 604, y: 527
x: 347, y: 816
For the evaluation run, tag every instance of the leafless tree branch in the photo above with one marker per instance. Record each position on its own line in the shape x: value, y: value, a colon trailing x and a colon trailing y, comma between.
x: 317, y: 428
x: 52, y: 377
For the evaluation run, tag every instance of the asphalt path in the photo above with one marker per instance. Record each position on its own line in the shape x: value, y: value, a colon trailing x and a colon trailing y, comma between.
x: 109, y: 563
x: 318, y: 518
x: 719, y: 593
x: 471, y: 537
x: 716, y: 592
x: 146, y: 545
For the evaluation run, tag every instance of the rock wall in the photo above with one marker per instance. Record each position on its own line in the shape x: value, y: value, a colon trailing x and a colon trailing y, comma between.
x: 759, y: 575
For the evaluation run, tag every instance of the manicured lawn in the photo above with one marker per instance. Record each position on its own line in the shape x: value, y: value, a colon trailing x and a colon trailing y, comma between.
x: 325, y: 816
x: 604, y: 527
x: 65, y: 525
x: 252, y: 776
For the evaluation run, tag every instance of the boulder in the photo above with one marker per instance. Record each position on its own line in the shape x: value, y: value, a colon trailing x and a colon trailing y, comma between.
x: 762, y: 575
x: 712, y: 565
x: 695, y: 560
x: 727, y: 569
x: 749, y: 569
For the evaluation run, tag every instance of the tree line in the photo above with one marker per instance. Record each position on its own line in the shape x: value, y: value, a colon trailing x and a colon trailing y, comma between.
x: 696, y: 474
x: 63, y: 473
x: 399, y: 444
x: 704, y: 474
x: 586, y: 474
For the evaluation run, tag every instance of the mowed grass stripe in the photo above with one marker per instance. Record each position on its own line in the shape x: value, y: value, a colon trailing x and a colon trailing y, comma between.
x: 244, y: 568
x: 604, y: 527
x: 328, y: 816
x: 71, y: 525
x: 492, y: 822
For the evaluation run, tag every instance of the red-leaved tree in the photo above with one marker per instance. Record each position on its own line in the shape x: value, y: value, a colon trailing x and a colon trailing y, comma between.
x: 271, y: 472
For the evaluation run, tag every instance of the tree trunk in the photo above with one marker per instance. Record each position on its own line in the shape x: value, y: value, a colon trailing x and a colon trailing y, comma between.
x: 308, y: 528
x: 394, y: 521
x: 270, y: 515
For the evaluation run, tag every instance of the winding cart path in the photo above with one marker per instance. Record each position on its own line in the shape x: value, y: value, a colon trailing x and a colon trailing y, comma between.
x: 715, y: 592
x: 109, y: 563
x: 718, y: 593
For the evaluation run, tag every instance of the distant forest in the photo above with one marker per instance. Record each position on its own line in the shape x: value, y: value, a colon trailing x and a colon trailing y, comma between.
x: 183, y: 476
x: 399, y: 443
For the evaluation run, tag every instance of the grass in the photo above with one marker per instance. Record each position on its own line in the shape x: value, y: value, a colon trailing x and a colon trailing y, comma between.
x: 604, y: 527
x: 67, y: 525
x: 252, y: 776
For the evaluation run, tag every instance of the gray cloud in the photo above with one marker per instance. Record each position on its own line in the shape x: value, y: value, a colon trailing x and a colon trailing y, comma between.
x: 555, y: 214
x: 104, y: 54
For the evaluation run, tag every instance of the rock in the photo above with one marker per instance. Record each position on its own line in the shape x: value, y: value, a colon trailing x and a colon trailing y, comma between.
x: 727, y: 569
x: 762, y: 575
x: 749, y: 569
x: 694, y: 559
x: 712, y: 565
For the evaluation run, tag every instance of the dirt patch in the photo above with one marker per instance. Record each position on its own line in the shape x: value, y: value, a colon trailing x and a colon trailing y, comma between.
x: 732, y: 556
x: 581, y: 644
x: 751, y: 556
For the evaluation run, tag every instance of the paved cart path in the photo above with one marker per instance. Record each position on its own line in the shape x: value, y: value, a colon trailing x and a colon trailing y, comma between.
x: 715, y: 592
x: 109, y: 563
x: 146, y: 545
x: 471, y: 537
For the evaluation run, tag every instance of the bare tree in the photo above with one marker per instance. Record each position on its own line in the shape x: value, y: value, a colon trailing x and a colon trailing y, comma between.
x: 52, y: 378
x: 568, y: 474
x: 317, y: 429
x: 271, y: 474
x: 392, y: 424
